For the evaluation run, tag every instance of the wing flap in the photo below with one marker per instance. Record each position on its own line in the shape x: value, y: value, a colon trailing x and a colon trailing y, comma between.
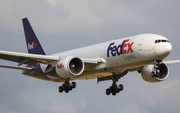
x: 15, y: 67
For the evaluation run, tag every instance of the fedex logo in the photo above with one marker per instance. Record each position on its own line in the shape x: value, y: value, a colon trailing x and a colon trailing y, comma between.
x: 32, y: 45
x: 124, y: 48
x: 60, y: 66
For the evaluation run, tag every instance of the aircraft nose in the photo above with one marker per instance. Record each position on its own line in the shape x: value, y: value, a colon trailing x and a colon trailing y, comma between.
x: 167, y: 48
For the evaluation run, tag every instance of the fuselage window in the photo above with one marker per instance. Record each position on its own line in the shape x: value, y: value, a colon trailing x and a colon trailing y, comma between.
x: 158, y: 41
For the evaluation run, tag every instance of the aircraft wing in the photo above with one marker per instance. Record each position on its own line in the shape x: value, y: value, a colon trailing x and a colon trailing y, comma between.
x: 172, y: 62
x: 25, y: 58
x: 16, y: 67
x: 33, y: 59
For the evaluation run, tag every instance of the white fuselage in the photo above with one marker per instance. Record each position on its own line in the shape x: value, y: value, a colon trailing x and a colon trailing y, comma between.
x: 122, y: 54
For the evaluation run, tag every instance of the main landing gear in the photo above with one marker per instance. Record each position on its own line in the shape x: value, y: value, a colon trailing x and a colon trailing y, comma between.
x: 67, y: 86
x: 114, y: 88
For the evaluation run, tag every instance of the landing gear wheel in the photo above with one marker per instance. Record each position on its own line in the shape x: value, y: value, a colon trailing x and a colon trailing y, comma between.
x: 114, y: 93
x: 67, y: 90
x: 111, y: 89
x: 67, y: 86
x: 63, y: 86
x: 60, y: 89
x: 114, y: 86
x: 70, y: 88
x: 118, y: 91
x: 114, y: 89
x: 108, y: 92
x: 121, y: 87
x: 73, y: 84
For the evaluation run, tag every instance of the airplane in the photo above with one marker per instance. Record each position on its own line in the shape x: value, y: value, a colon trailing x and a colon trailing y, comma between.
x: 110, y: 60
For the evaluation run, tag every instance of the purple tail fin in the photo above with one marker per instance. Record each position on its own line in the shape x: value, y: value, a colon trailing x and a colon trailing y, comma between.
x: 33, y: 45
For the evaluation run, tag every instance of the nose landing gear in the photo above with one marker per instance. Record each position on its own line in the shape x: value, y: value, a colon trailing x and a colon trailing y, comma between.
x: 156, y: 72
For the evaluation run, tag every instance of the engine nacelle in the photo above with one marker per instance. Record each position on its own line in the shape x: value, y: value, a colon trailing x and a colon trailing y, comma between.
x: 69, y: 67
x: 162, y: 72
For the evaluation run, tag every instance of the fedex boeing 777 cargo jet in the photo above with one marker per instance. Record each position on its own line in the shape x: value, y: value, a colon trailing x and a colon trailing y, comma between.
x: 105, y: 61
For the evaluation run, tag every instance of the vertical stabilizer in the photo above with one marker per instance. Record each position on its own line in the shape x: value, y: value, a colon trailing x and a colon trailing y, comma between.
x: 33, y: 45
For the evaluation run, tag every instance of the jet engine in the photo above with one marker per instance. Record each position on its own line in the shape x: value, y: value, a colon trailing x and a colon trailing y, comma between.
x: 69, y: 67
x: 155, y: 73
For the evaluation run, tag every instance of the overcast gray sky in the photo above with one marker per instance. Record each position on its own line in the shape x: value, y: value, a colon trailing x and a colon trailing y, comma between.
x: 66, y: 24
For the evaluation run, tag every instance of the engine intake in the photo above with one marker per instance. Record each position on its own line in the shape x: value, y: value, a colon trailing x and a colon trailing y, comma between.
x: 76, y: 66
x: 69, y: 67
x: 151, y: 73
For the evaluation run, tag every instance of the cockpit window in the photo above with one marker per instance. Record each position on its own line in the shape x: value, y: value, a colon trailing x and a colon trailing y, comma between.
x: 158, y: 41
